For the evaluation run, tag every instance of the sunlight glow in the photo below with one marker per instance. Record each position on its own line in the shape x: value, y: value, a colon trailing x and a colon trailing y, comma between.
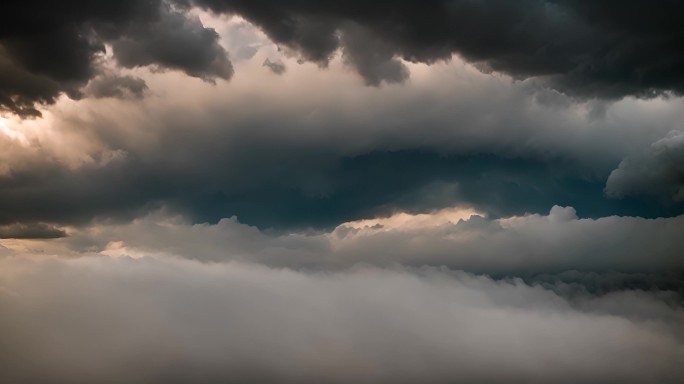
x: 403, y: 220
x: 6, y: 127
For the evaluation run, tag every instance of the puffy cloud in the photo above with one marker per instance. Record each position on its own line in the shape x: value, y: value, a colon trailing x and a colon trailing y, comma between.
x: 337, y: 152
x: 596, y: 50
x: 169, y: 320
x: 521, y: 245
x: 584, y: 50
x: 657, y: 171
x: 111, y: 85
x: 175, y: 40
x: 47, y: 49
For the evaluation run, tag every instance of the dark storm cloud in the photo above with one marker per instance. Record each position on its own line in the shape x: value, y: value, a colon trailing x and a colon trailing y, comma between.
x: 174, y: 40
x: 151, y: 320
x: 48, y: 48
x: 604, y: 49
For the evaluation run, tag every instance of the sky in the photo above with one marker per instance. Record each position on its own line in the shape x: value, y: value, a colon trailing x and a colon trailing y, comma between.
x: 302, y: 191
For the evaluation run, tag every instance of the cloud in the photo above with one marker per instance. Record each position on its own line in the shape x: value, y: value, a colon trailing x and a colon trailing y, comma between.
x: 372, y: 57
x: 111, y: 85
x: 30, y: 231
x: 176, y: 41
x: 585, y: 50
x: 337, y: 152
x: 657, y: 171
x: 277, y: 67
x: 167, y: 320
x: 47, y: 50
x: 521, y: 246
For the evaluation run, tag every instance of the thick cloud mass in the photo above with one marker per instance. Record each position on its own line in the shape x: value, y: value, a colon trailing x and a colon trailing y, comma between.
x: 603, y: 49
x: 476, y: 191
x: 658, y: 171
x: 48, y: 48
x: 551, y: 243
x: 177, y: 41
x: 166, y: 321
x: 315, y: 148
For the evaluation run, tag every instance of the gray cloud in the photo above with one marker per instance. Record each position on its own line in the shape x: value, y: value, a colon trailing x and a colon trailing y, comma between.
x: 175, y: 40
x: 165, y: 321
x: 277, y: 67
x: 373, y: 58
x: 533, y: 244
x: 111, y: 85
x: 47, y: 49
x: 597, y: 50
x: 335, y: 153
x: 657, y: 171
x: 584, y: 50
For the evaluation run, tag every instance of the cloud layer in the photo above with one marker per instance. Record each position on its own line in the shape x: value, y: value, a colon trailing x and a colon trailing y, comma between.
x: 315, y: 148
x: 385, y: 192
x: 166, y: 321
x: 518, y: 246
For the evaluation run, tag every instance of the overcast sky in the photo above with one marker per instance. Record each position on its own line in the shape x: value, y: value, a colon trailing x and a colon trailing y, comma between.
x: 341, y: 191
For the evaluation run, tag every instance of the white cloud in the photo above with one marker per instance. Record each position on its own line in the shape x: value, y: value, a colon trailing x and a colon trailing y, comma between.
x: 161, y: 320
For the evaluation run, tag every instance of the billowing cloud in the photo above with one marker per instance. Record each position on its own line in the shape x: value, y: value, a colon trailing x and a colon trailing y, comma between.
x: 657, y: 171
x: 168, y: 320
x: 337, y: 152
x: 520, y: 246
x: 591, y: 51
x: 175, y: 40
x: 596, y: 50
x: 48, y: 49
x: 389, y: 192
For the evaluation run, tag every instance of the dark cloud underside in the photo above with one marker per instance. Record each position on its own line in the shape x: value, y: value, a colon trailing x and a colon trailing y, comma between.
x: 48, y: 48
x: 604, y: 49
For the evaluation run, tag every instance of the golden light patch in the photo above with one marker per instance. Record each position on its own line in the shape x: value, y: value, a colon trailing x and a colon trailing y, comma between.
x: 403, y: 220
